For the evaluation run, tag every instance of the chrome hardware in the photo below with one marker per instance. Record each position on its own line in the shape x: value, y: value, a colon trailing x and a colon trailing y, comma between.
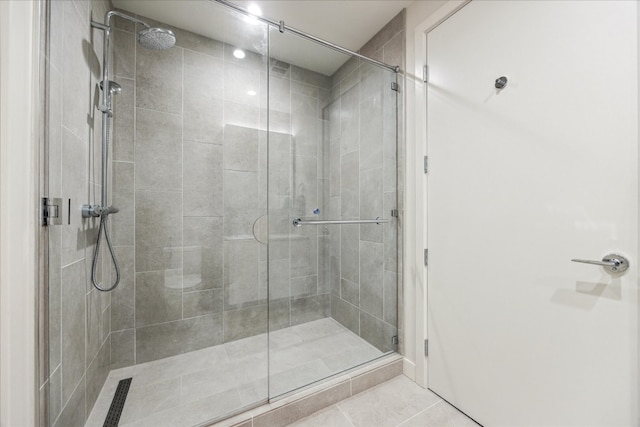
x: 54, y: 210
x: 299, y: 222
x: 114, y: 87
x: 425, y: 74
x: 92, y: 211
x: 394, y: 86
x: 394, y: 213
x: 613, y: 263
x: 283, y: 27
x: 426, y: 164
x: 501, y: 82
x: 105, y: 110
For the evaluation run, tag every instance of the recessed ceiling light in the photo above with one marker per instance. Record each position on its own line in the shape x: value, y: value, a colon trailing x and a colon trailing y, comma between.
x: 252, y: 93
x: 238, y: 53
x: 254, y: 9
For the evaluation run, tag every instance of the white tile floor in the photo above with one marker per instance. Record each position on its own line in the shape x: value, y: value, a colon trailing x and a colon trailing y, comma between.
x: 192, y: 388
x: 398, y: 402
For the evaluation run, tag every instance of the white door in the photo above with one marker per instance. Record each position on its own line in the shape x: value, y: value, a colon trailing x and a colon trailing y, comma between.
x: 522, y: 180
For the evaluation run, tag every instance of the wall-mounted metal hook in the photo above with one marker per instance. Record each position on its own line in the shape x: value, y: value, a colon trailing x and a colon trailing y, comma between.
x: 501, y: 82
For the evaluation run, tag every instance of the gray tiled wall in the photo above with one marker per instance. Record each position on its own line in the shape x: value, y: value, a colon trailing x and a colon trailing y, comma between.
x: 190, y: 178
x: 363, y: 147
x: 190, y: 163
x: 79, y: 317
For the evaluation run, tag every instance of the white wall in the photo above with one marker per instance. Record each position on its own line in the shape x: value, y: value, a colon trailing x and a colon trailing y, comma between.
x: 18, y: 211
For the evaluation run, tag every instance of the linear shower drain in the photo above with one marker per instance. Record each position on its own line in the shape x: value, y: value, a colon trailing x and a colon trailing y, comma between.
x: 117, y: 404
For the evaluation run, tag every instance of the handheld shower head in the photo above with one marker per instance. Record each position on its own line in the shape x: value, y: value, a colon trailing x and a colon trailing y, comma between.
x: 114, y: 87
x: 156, y: 38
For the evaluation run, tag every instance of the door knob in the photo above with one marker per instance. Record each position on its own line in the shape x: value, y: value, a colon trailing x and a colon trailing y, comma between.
x: 613, y: 263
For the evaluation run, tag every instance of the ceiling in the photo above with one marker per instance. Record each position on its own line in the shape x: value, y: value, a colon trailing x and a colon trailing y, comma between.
x: 348, y: 23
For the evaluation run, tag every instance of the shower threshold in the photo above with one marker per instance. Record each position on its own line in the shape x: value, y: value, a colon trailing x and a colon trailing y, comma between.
x: 199, y: 387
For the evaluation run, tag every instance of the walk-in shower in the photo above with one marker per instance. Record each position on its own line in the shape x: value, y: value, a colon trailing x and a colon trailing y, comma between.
x: 149, y: 38
x: 255, y: 173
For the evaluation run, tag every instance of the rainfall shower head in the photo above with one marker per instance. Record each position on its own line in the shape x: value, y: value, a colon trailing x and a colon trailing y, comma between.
x: 156, y: 38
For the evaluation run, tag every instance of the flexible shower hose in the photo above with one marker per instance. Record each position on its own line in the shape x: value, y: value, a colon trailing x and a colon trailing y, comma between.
x: 104, y: 217
x: 94, y: 264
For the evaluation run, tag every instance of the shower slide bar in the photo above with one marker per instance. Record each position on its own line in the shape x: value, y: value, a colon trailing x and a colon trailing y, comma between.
x: 299, y: 222
x: 282, y: 28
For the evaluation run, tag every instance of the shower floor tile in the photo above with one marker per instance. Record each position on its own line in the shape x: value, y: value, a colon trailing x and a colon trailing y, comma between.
x: 193, y: 388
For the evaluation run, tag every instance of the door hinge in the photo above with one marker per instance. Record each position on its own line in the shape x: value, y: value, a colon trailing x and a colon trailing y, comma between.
x: 394, y: 340
x: 394, y: 86
x: 426, y: 348
x: 426, y: 164
x: 55, y: 211
x: 394, y: 213
x: 426, y: 257
x: 425, y: 74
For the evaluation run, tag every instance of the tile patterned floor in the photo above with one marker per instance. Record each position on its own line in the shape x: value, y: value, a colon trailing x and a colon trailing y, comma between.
x: 192, y: 388
x: 398, y: 402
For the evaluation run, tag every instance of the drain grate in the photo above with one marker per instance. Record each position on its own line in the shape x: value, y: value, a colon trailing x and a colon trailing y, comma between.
x: 117, y: 404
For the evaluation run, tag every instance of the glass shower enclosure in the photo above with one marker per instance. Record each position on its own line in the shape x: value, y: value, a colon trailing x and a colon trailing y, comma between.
x: 255, y: 173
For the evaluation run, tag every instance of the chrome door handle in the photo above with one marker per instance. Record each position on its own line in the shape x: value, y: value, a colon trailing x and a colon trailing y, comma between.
x: 613, y: 263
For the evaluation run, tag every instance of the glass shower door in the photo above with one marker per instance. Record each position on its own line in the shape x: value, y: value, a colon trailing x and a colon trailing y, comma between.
x: 332, y: 159
x: 188, y: 321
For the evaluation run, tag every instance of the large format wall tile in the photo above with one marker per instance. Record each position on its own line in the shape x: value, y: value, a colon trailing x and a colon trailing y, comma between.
x: 159, y: 79
x: 76, y: 74
x: 390, y: 298
x: 95, y: 332
x: 73, y: 326
x: 200, y: 303
x: 124, y: 54
x: 240, y: 273
x: 123, y: 297
x: 245, y: 322
x: 203, y: 253
x: 304, y: 252
x: 305, y: 125
x: 349, y: 253
x: 158, y: 230
x: 75, y: 186
x: 311, y: 308
x: 241, y: 203
x: 158, y: 297
x: 182, y: 336
x: 97, y: 373
x: 158, y: 151
x: 203, y: 93
x: 123, y: 197
x: 371, y: 277
x: 74, y: 413
x: 123, y: 348
x: 371, y: 204
x: 350, y: 186
x: 203, y: 180
x: 371, y: 122
x: 345, y: 313
x: 240, y: 148
x: 123, y: 122
x: 304, y: 185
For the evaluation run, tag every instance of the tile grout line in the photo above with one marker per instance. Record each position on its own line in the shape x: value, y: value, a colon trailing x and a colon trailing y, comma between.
x: 420, y: 412
x: 344, y: 414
